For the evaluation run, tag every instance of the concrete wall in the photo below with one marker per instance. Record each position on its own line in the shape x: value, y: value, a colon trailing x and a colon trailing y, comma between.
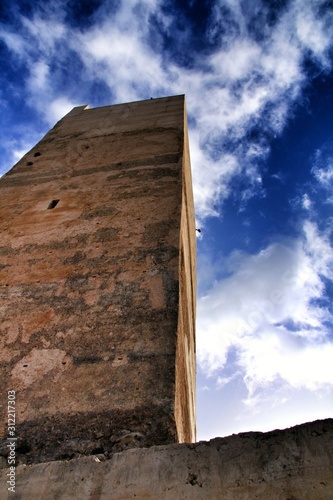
x: 294, y: 464
x: 90, y: 293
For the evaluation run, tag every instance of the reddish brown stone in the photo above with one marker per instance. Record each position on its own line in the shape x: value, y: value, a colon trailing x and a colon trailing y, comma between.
x: 97, y: 273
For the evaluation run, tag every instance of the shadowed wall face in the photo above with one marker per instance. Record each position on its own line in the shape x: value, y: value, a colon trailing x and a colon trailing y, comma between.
x: 97, y: 273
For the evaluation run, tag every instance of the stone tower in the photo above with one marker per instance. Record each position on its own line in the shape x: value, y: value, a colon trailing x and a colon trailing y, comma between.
x: 97, y: 283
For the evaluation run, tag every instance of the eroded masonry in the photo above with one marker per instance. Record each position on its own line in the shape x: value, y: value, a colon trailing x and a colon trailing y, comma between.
x: 97, y: 274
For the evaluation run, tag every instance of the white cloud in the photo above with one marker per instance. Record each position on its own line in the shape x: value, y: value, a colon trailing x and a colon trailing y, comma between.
x: 45, y: 34
x: 268, y: 312
x: 306, y: 202
x: 274, y: 357
x: 313, y: 32
x: 13, y: 41
x: 38, y: 80
x: 239, y: 60
x: 319, y: 249
x: 323, y: 169
x: 19, y: 146
x: 17, y: 154
x: 58, y: 108
x: 248, y: 83
x: 325, y: 175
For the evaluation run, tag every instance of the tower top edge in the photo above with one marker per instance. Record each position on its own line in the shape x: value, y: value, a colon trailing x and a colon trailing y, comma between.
x: 86, y: 107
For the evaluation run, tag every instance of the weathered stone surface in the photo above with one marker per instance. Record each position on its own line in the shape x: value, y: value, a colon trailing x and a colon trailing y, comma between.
x: 293, y: 464
x: 97, y: 268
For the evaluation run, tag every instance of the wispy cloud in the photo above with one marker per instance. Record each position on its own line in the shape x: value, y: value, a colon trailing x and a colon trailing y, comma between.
x: 306, y: 202
x: 323, y: 169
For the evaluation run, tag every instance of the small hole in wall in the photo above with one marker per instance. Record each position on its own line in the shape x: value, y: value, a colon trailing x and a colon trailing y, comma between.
x: 25, y: 366
x: 53, y: 204
x: 29, y: 163
x: 37, y: 154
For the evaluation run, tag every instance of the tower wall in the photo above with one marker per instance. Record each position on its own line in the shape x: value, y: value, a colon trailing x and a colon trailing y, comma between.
x: 97, y: 273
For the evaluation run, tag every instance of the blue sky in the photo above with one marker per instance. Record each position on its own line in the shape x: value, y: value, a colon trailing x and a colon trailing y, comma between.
x: 258, y: 82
